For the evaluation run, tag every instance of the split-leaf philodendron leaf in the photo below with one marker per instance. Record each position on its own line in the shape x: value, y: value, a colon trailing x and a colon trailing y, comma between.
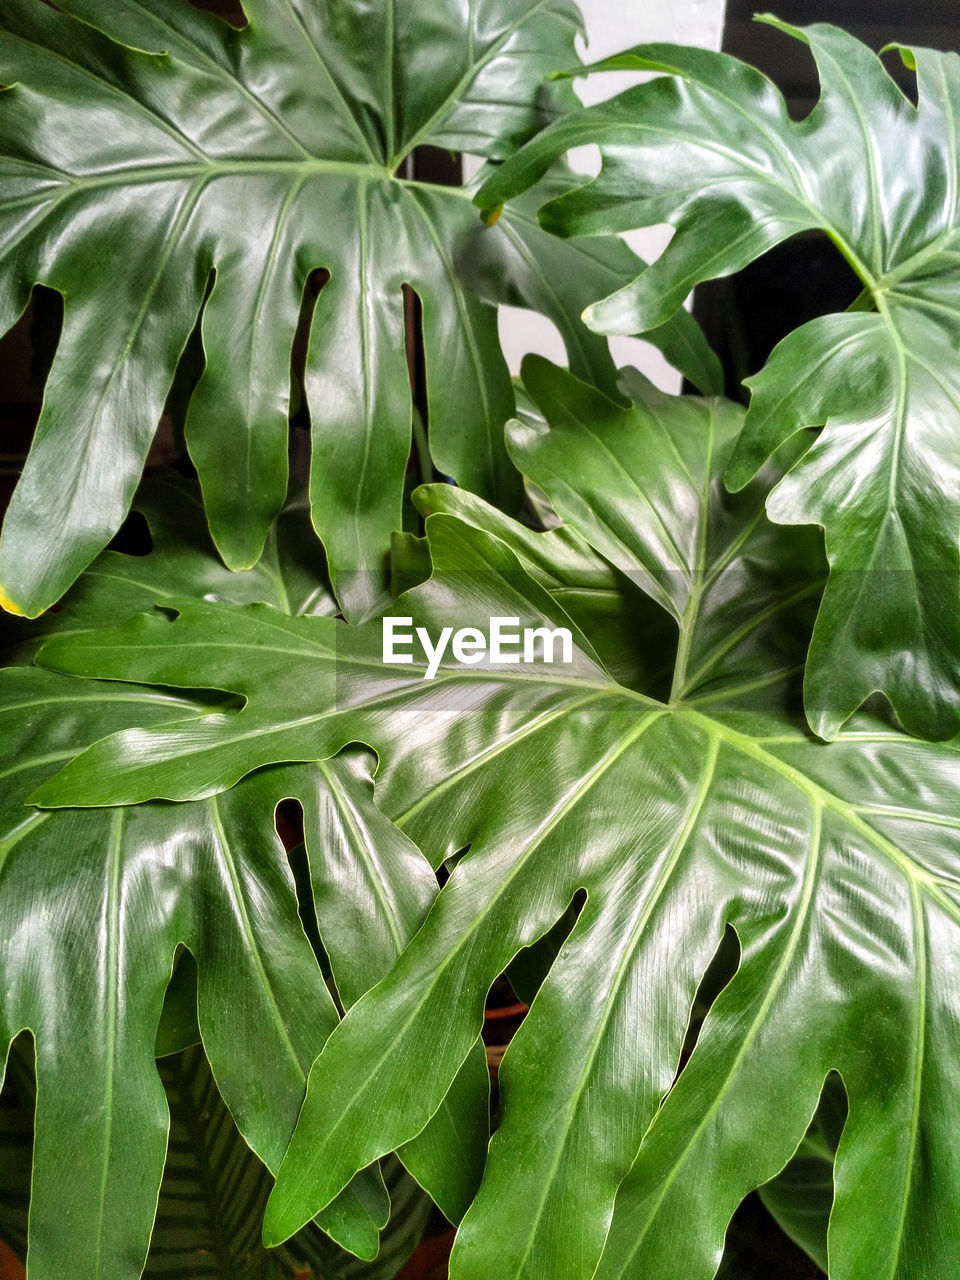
x: 801, y: 1197
x: 149, y: 153
x: 94, y: 906
x: 834, y: 863
x: 711, y: 148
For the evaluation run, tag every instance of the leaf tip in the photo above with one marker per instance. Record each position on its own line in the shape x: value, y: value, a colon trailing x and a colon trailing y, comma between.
x: 612, y: 316
x: 490, y: 217
x: 276, y: 1226
x: 37, y: 799
x: 788, y: 28
x: 738, y: 475
x: 907, y: 55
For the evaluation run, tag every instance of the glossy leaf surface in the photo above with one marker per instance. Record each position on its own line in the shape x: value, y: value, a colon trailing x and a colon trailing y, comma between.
x: 633, y: 637
x: 94, y: 908
x: 712, y: 149
x: 214, y: 1191
x: 835, y: 865
x: 149, y: 152
x: 181, y: 561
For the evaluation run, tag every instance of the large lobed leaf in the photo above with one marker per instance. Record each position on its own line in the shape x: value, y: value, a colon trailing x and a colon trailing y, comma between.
x: 711, y: 148
x: 149, y: 152
x: 836, y: 865
x: 96, y: 905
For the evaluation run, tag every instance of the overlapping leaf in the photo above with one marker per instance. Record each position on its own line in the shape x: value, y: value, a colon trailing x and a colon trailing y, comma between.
x: 641, y: 486
x: 632, y: 636
x: 181, y: 561
x: 214, y: 1188
x: 835, y: 864
x: 94, y: 907
x: 149, y: 149
x: 801, y: 1197
x: 713, y: 150
x: 214, y: 1191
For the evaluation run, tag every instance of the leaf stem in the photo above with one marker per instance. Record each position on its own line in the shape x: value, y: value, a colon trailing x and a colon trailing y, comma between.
x: 864, y: 301
x: 854, y: 261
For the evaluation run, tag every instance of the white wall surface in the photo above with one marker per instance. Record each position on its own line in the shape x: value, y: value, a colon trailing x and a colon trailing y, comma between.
x: 612, y: 26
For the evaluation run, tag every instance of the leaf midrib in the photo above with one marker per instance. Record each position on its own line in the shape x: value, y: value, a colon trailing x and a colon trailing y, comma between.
x: 600, y: 688
x: 111, y: 1015
x: 661, y: 881
x: 819, y: 794
x: 63, y: 186
x: 813, y: 790
x: 347, y: 113
x: 241, y: 908
x: 362, y: 849
x: 474, y: 69
x: 466, y: 937
x: 739, y: 741
x: 880, y: 277
x: 459, y: 293
x: 691, y: 611
x: 395, y: 155
x: 215, y: 68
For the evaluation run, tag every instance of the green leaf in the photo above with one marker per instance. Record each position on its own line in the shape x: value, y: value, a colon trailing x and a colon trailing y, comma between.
x: 372, y: 889
x: 212, y: 879
x: 755, y: 1247
x: 712, y: 150
x: 641, y: 486
x: 524, y: 266
x: 834, y: 864
x: 632, y: 636
x: 409, y: 1212
x: 712, y: 561
x: 254, y: 157
x: 94, y: 906
x: 215, y: 1189
x: 182, y: 560
x: 801, y: 1197
x: 213, y: 1192
x: 121, y: 890
x: 179, y: 1028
